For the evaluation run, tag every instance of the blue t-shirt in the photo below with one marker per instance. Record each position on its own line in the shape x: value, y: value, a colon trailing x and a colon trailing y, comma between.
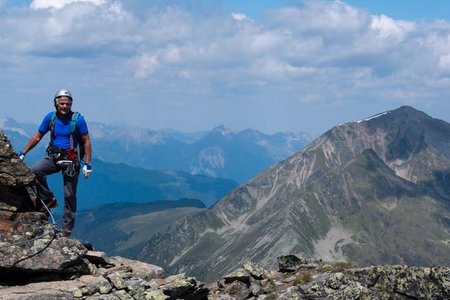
x: 62, y: 129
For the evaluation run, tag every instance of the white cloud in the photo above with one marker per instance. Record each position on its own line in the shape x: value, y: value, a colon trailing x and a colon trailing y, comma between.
x: 171, y: 55
x: 146, y: 64
x: 239, y: 16
x: 58, y: 4
x: 273, y: 68
x: 80, y: 29
x: 317, y: 52
x: 391, y: 30
x: 444, y: 62
x: 320, y: 16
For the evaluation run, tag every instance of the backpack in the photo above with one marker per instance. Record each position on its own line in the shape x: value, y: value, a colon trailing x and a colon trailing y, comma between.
x: 73, y: 132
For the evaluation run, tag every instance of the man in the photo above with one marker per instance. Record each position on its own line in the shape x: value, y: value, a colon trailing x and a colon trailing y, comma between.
x: 69, y: 140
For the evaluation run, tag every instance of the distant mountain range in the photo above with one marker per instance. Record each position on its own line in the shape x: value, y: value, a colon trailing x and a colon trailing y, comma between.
x: 376, y: 191
x: 133, y: 163
x: 221, y: 152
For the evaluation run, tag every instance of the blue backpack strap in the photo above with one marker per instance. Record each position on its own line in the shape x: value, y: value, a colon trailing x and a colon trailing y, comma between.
x: 51, y: 127
x: 73, y: 132
x: 73, y: 128
x: 73, y: 122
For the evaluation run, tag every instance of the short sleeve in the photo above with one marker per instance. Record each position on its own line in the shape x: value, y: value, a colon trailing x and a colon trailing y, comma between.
x: 44, y: 128
x: 81, y: 125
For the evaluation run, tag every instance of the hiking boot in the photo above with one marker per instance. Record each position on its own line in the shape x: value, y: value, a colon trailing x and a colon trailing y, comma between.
x: 51, y: 203
x: 88, y: 246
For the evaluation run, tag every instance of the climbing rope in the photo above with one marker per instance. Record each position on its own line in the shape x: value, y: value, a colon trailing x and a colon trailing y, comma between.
x: 49, y: 212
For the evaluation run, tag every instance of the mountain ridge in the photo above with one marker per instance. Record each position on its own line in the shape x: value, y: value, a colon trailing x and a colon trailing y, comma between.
x: 304, y: 201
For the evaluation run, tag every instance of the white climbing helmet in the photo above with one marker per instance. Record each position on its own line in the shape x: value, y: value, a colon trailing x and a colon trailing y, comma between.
x: 61, y: 93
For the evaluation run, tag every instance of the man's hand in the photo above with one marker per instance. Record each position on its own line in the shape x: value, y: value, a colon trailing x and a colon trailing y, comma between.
x: 21, y: 155
x: 87, y: 170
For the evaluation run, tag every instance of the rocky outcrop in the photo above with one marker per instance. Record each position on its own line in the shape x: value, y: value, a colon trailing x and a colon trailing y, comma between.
x: 30, y: 247
x: 16, y: 180
x: 111, y: 278
x: 296, y: 278
x: 299, y: 278
x: 34, y: 246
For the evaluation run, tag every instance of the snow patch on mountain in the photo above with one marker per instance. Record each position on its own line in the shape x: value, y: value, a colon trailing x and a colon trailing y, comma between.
x: 373, y: 117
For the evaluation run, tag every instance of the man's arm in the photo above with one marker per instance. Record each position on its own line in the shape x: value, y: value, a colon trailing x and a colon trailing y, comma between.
x: 34, y: 140
x: 87, y: 148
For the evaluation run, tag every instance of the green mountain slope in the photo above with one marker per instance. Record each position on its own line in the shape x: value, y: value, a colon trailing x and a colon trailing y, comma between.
x: 122, y: 183
x: 395, y: 221
x: 122, y: 228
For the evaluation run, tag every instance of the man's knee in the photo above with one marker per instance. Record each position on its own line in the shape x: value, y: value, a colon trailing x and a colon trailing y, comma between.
x: 35, y: 169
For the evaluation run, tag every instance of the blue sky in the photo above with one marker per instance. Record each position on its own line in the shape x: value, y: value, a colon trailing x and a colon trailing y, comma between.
x: 192, y: 65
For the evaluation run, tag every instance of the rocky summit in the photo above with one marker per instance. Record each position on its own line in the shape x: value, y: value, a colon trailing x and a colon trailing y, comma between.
x: 37, y: 262
x: 373, y: 191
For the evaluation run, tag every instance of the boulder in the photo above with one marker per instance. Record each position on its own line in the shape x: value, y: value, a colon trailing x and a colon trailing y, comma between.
x: 140, y: 269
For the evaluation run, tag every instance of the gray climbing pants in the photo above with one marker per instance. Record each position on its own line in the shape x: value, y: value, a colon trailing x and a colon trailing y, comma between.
x: 47, y: 166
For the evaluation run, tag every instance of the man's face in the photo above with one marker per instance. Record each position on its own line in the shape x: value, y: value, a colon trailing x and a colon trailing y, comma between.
x: 63, y: 105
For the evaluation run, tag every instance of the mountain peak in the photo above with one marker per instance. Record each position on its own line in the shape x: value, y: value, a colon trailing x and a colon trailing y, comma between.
x: 409, y: 112
x: 222, y: 130
x: 403, y: 112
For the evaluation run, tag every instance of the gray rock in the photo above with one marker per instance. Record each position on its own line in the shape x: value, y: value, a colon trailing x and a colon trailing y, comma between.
x: 140, y: 269
x: 117, y: 281
x: 255, y: 270
x: 98, y: 258
x: 240, y: 274
x: 238, y: 290
x: 177, y: 286
x: 290, y: 263
x: 413, y: 282
x: 35, y: 247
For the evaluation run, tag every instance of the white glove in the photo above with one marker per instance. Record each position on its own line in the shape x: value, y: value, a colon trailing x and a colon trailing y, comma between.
x: 21, y: 155
x: 87, y: 170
